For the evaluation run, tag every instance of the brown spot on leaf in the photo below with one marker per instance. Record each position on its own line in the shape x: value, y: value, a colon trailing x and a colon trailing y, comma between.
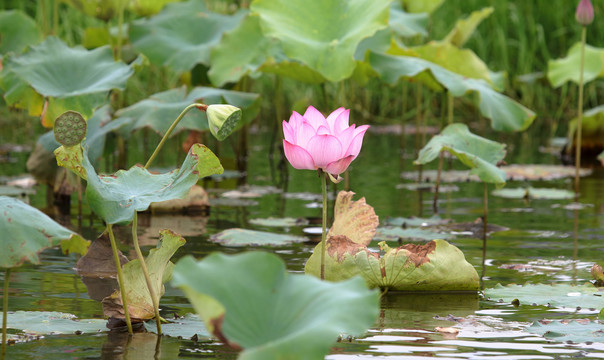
x: 418, y: 253
x: 217, y: 331
x: 340, y: 245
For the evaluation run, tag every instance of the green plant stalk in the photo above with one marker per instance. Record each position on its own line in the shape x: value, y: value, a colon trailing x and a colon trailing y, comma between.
x: 120, y: 277
x: 55, y: 18
x: 441, y: 157
x: 484, y: 221
x: 323, y: 177
x: 580, y: 115
x: 5, y: 309
x: 140, y: 257
x: 120, y: 29
x: 201, y: 107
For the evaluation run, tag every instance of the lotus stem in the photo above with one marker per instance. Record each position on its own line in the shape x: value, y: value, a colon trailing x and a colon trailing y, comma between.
x: 418, y: 123
x: 120, y: 277
x: 201, y: 107
x: 437, y: 184
x: 323, y: 177
x: 141, y: 259
x: 120, y: 29
x: 5, y: 310
x: 579, y: 115
x: 484, y: 229
x: 55, y: 18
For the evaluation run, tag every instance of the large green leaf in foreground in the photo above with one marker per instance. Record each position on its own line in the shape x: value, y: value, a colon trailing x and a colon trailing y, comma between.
x: 160, y: 110
x: 26, y: 231
x: 505, y: 113
x: 115, y: 198
x: 250, y: 302
x: 478, y: 153
x: 70, y: 78
x: 322, y: 34
x: 434, y: 266
x: 182, y: 35
x: 566, y: 69
x: 158, y: 263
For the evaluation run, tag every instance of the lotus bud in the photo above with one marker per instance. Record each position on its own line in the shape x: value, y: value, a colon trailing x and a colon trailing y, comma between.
x: 70, y: 128
x: 585, y: 13
x: 222, y: 119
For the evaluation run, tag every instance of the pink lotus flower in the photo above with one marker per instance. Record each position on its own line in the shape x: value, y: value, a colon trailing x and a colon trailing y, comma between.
x: 585, y: 13
x: 313, y: 142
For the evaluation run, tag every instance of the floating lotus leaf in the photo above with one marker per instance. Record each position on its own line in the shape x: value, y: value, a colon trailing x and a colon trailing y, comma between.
x: 26, y: 231
x: 505, y: 113
x: 71, y: 78
x: 279, y: 222
x: 422, y: 6
x: 182, y: 35
x: 434, y: 266
x: 390, y: 233
x: 405, y: 24
x: 567, y: 69
x: 464, y: 28
x: 244, y: 237
x: 184, y: 327
x: 159, y: 266
x: 17, y: 31
x: 259, y: 307
x: 576, y: 331
x: 541, y: 172
x: 354, y: 219
x: 322, y: 34
x: 415, y: 221
x: 159, y: 110
x: 53, y: 323
x: 556, y: 295
x: 534, y: 193
x: 478, y: 153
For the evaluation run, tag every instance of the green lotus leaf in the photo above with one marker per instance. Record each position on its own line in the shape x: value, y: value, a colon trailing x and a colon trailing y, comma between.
x: 101, y: 9
x: 406, y: 24
x: 293, y: 70
x: 390, y: 233
x: 17, y: 31
x: 18, y: 94
x: 464, y: 28
x: 53, y: 323
x: 601, y: 157
x: 480, y: 154
x: 434, y: 266
x: 182, y: 35
x: 577, y: 331
x: 72, y: 78
x: 422, y: 6
x: 505, y: 113
x: 159, y: 266
x: 184, y: 327
x: 556, y: 295
x: 279, y: 222
x: 27, y: 231
x: 567, y: 69
x: 159, y: 110
x: 534, y: 193
x: 592, y: 130
x: 354, y: 219
x: 245, y: 237
x: 116, y: 197
x: 259, y: 307
x: 322, y: 34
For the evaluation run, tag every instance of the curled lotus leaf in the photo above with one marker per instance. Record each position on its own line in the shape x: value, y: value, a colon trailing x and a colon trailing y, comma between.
x: 354, y: 219
x: 560, y: 71
x: 434, y: 266
x: 267, y: 313
x: 26, y: 231
x: 158, y: 263
x: 464, y: 28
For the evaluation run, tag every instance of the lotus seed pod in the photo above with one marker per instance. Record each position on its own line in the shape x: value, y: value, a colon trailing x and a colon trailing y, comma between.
x: 222, y: 119
x: 70, y: 128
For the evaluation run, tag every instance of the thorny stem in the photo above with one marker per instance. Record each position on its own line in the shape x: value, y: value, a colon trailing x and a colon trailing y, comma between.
x: 140, y: 257
x: 201, y: 107
x: 579, y: 116
x: 323, y: 177
x: 4, y: 310
x: 120, y: 277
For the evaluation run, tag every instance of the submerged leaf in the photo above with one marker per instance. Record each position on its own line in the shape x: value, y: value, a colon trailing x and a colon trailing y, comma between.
x: 259, y: 307
x: 26, y: 231
x: 245, y: 237
x: 480, y: 154
x: 354, y: 219
x: 434, y: 266
x: 158, y: 263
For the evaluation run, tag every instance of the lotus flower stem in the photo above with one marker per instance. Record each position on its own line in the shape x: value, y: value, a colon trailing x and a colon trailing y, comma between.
x: 120, y: 29
x: 418, y: 122
x: 141, y: 259
x: 201, y: 107
x: 120, y: 277
x: 323, y: 177
x: 437, y: 184
x: 5, y: 310
x: 55, y: 17
x: 579, y: 115
x: 484, y: 228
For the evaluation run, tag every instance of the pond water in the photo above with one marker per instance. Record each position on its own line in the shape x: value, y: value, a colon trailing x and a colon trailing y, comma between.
x: 540, y: 246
